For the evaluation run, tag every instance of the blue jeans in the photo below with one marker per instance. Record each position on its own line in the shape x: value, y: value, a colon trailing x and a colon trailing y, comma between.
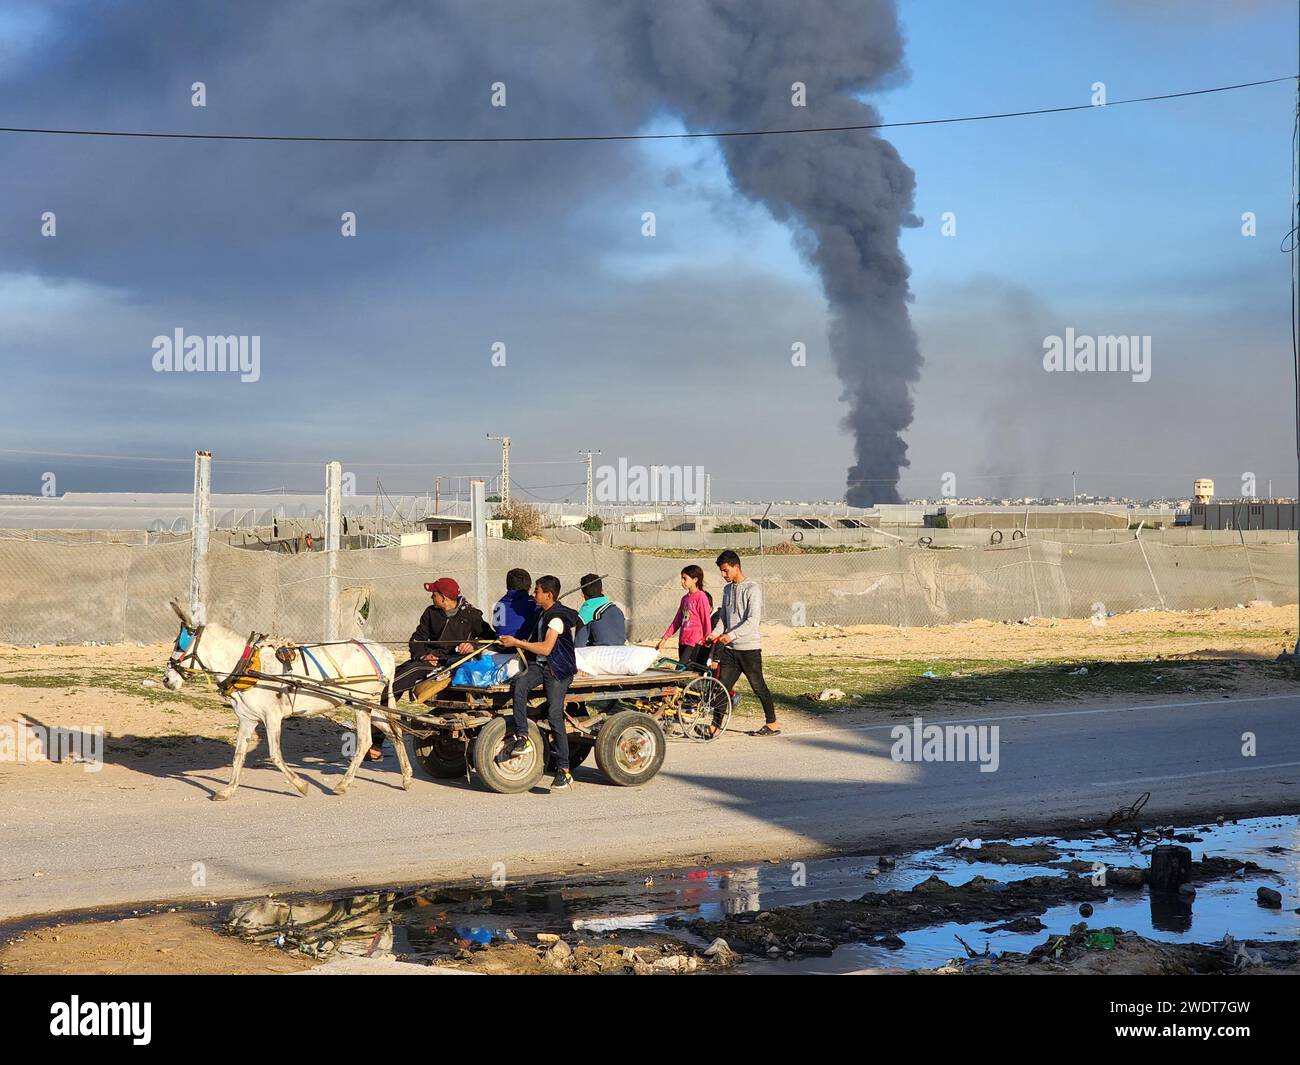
x: 556, y: 688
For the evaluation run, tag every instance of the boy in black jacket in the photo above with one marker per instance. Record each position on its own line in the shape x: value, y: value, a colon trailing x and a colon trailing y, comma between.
x: 552, y: 664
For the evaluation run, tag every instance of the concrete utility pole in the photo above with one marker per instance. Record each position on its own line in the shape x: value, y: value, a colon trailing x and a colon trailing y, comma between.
x: 708, y: 489
x: 478, y: 529
x: 200, y: 526
x: 504, y: 493
x: 591, y: 497
x: 333, y: 520
x: 1295, y: 295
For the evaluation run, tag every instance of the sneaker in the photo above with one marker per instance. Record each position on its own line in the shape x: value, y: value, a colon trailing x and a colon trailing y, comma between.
x: 513, y: 748
x: 563, y: 778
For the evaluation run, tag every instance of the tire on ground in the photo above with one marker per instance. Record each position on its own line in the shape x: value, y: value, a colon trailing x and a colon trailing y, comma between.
x: 520, y: 773
x: 443, y: 758
x: 630, y: 748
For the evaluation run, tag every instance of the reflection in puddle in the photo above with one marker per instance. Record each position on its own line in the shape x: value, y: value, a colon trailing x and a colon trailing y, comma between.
x: 437, y: 923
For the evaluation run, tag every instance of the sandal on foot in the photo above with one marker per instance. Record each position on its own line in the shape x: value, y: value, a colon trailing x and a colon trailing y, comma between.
x: 765, y: 731
x: 374, y: 755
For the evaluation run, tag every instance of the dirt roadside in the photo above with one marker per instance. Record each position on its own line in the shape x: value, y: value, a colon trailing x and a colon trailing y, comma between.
x: 118, y: 687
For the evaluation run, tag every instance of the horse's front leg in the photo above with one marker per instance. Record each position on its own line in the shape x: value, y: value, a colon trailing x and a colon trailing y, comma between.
x: 399, y: 744
x: 273, y: 721
x: 247, y: 733
x: 363, y: 745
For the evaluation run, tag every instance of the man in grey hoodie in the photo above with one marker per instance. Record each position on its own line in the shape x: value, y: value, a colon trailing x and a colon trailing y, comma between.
x: 735, y: 634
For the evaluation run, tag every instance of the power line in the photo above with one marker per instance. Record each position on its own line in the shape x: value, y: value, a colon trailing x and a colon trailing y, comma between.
x: 600, y: 137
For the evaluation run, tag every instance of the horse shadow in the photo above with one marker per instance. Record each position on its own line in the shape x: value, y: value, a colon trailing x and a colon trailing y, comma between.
x: 318, y: 745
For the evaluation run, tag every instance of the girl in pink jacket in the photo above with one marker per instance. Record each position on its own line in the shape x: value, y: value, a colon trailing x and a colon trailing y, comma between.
x: 693, y: 621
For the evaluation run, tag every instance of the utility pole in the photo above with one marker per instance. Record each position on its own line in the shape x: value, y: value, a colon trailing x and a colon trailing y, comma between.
x: 437, y: 493
x: 504, y: 492
x: 591, y: 499
x: 1295, y: 354
x: 333, y: 514
x: 1074, y: 489
x: 478, y: 529
x: 200, y: 525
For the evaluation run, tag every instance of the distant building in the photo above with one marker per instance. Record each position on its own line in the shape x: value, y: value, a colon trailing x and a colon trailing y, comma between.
x: 1203, y: 490
x: 1244, y: 514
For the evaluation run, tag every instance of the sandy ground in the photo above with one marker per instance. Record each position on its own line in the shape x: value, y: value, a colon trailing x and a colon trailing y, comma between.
x: 1249, y: 632
x: 159, y: 944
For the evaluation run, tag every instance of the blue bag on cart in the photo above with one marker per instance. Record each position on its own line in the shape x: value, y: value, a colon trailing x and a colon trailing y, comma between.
x: 486, y: 670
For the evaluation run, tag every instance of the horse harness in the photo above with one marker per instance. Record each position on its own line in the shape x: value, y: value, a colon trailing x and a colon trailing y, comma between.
x: 248, y: 670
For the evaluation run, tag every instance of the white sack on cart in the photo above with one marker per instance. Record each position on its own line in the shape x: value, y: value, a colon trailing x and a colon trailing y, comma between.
x: 615, y: 661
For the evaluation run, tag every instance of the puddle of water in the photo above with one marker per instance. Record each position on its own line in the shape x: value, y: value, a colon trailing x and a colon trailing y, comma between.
x: 1221, y: 907
x: 435, y: 922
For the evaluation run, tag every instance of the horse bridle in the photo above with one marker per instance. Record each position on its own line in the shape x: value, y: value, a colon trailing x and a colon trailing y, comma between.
x: 190, y: 651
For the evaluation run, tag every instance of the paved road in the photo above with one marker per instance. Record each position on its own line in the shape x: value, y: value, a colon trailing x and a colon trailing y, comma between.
x: 128, y: 834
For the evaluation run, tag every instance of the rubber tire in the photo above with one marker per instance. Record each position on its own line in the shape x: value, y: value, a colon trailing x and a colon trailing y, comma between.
x: 441, y: 764
x: 579, y: 751
x: 607, y: 740
x: 486, y: 744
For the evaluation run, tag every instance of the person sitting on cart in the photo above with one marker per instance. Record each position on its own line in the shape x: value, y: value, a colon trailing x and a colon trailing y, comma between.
x: 515, y: 613
x: 552, y: 664
x: 603, y: 623
x: 445, y: 632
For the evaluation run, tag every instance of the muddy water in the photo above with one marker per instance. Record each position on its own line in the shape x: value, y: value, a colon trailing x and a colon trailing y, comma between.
x: 434, y: 923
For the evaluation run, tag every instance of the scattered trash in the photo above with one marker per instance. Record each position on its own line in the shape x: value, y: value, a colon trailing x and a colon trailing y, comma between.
x: 970, y: 951
x: 826, y: 695
x: 930, y: 674
x: 967, y: 844
x: 1085, y: 909
x: 1242, y: 956
x: 1171, y: 867
x: 1100, y: 940
x: 1082, y: 671
x: 547, y: 937
x: 148, y: 684
x: 721, y: 953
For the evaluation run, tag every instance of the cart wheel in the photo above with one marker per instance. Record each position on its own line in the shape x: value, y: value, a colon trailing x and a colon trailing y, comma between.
x: 443, y: 758
x: 630, y: 748
x: 518, y: 774
x: 579, y: 749
x: 703, y: 702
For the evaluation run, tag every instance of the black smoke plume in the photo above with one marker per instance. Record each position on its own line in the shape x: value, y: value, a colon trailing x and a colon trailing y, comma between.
x: 730, y: 64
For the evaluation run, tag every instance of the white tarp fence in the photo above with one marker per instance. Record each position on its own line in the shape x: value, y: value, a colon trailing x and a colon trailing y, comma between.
x: 59, y: 592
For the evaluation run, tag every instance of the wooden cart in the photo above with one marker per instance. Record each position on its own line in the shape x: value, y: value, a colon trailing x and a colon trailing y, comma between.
x: 623, y: 721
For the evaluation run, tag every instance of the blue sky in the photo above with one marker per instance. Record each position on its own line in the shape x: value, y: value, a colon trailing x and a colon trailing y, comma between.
x: 671, y: 350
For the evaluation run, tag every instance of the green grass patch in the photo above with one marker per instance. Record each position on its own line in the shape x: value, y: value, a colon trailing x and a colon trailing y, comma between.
x: 123, y: 681
x: 901, y: 685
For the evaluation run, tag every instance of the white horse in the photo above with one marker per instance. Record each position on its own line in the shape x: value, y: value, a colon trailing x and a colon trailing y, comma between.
x: 367, y: 670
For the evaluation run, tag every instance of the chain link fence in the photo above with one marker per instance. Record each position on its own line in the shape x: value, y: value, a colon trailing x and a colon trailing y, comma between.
x: 114, y: 593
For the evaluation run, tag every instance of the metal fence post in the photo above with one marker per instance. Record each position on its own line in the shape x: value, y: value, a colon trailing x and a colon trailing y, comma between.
x: 333, y: 515
x: 200, y: 526
x: 478, y: 528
